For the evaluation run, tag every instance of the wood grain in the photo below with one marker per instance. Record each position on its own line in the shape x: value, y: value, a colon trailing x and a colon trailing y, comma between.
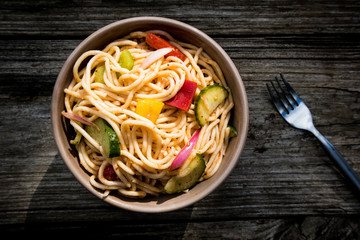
x: 301, y: 228
x: 226, y: 17
x: 284, y: 186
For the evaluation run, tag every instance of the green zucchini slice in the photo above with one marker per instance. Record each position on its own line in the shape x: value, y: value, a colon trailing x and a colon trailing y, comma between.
x: 105, y: 135
x: 208, y: 100
x: 188, y: 177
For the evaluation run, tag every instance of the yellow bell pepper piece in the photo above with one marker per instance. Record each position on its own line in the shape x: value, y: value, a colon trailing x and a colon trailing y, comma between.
x: 149, y: 108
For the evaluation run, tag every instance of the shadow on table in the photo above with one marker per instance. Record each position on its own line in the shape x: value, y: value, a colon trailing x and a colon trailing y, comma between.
x: 62, y: 206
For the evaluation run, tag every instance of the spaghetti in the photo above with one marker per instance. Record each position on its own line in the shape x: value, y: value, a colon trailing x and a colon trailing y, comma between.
x: 147, y: 148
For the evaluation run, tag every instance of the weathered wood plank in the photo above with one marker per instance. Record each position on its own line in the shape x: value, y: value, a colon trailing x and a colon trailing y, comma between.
x: 80, y: 18
x: 301, y: 228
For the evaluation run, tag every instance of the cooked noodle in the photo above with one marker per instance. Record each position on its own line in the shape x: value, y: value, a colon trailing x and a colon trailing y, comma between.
x: 147, y: 149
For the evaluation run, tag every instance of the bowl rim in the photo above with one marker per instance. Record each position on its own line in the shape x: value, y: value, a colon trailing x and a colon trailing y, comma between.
x: 63, y: 146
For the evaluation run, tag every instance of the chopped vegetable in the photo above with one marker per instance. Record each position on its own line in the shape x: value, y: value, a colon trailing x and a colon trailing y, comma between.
x: 208, y: 100
x: 99, y: 74
x: 105, y: 135
x: 185, y: 151
x: 184, y: 97
x: 109, y: 173
x: 154, y: 56
x: 149, y: 108
x: 233, y: 131
x: 157, y: 42
x: 126, y: 61
x: 77, y: 118
x: 188, y: 177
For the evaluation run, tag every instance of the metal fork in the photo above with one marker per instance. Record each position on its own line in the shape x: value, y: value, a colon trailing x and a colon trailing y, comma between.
x: 298, y: 115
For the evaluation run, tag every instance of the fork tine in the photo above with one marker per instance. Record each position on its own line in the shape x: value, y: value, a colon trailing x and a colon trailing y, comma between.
x: 291, y: 90
x: 285, y: 98
x: 281, y: 98
x: 276, y: 101
x: 289, y: 99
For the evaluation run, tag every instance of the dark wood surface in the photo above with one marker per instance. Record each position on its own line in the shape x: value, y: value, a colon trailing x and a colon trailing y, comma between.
x: 284, y: 185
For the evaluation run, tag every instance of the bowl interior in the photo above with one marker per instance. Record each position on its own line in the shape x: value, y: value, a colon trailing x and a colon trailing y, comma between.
x: 183, y: 32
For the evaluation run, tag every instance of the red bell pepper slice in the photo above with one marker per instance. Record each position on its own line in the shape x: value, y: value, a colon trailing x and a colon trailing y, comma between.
x: 157, y: 42
x: 184, y: 97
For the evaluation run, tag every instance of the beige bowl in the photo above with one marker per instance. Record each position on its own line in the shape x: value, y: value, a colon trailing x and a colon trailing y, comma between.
x: 183, y: 32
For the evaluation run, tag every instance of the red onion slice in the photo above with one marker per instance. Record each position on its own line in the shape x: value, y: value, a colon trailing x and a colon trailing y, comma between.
x: 155, y: 56
x: 77, y: 118
x: 185, y: 151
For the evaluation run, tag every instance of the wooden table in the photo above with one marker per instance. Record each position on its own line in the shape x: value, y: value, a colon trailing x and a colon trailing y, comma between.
x: 284, y: 185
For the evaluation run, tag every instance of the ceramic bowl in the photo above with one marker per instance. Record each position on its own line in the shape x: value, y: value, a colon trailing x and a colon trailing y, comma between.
x: 185, y: 33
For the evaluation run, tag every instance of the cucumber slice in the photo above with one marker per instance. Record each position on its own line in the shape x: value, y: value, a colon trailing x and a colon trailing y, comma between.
x: 125, y: 61
x: 99, y: 74
x: 105, y: 136
x: 207, y: 101
x: 188, y: 177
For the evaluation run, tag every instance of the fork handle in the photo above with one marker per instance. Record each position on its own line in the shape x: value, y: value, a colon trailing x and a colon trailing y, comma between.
x: 340, y: 161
